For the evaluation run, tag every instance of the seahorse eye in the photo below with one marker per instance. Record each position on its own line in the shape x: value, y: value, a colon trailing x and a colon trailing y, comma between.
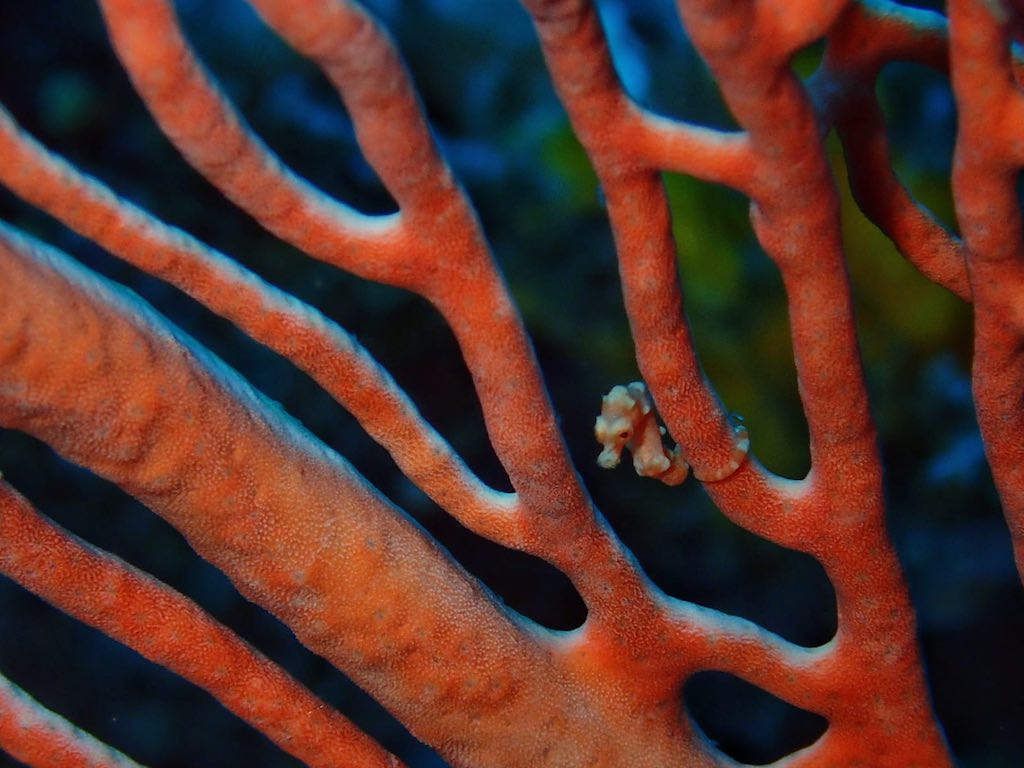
x: 624, y: 435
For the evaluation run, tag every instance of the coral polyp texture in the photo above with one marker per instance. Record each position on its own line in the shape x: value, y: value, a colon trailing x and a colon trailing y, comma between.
x: 90, y: 370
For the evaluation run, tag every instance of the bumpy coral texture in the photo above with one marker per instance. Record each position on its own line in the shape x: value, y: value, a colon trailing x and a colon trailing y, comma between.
x: 101, y: 378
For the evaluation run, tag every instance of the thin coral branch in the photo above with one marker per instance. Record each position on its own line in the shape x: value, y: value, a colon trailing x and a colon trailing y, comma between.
x: 987, y: 164
x: 171, y: 630
x: 872, y: 33
x: 215, y: 139
x: 297, y: 331
x: 913, y: 229
x: 671, y: 145
x: 39, y: 738
x: 607, y: 124
x: 704, y: 639
x: 867, y: 36
x: 665, y: 351
x: 449, y: 260
x: 795, y: 213
x: 360, y: 60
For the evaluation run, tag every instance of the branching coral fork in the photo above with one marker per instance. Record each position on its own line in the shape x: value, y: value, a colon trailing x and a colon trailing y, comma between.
x: 610, y: 582
x: 795, y: 215
x: 868, y: 35
x: 297, y: 331
x: 627, y: 147
x: 864, y: 38
x: 446, y: 259
x: 294, y: 527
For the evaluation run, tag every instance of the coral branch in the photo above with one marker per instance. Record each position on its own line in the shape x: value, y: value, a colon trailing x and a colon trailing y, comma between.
x: 867, y: 36
x: 786, y: 26
x: 102, y: 379
x: 360, y: 60
x: 926, y: 244
x: 171, y: 630
x: 215, y: 139
x: 444, y: 257
x: 292, y: 525
x: 580, y: 65
x: 670, y: 145
x: 300, y: 533
x: 872, y: 33
x: 795, y: 214
x: 295, y: 330
x: 39, y: 738
x: 987, y: 163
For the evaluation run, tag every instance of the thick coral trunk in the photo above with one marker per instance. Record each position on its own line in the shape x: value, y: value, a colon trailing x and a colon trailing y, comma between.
x: 96, y: 376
